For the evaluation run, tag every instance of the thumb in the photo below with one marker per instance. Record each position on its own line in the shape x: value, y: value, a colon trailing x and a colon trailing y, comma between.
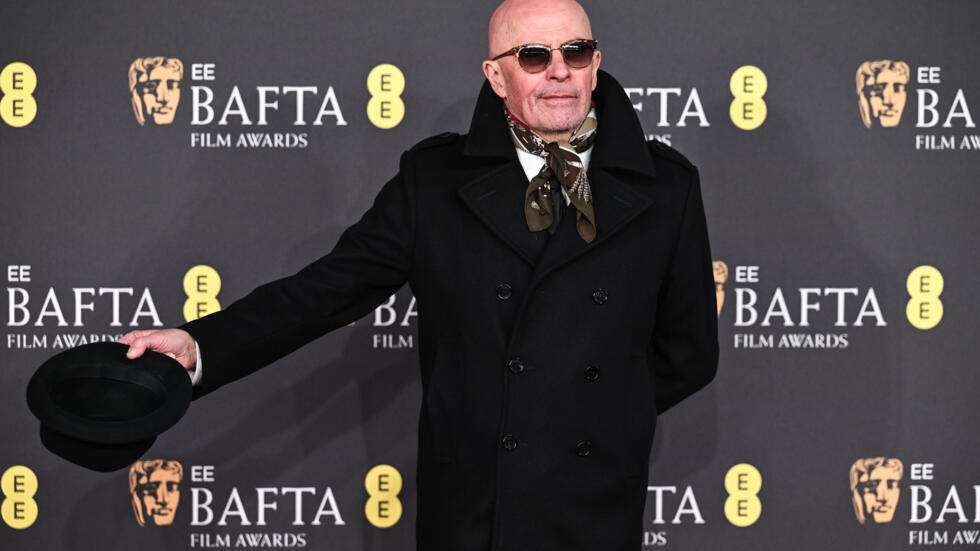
x: 136, y: 349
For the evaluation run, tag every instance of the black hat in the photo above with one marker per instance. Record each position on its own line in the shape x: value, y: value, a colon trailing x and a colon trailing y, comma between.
x: 102, y: 410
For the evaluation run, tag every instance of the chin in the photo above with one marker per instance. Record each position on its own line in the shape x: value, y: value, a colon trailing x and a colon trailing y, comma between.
x: 561, y: 125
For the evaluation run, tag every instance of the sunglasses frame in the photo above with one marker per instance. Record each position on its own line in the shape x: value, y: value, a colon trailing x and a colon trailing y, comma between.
x: 516, y: 52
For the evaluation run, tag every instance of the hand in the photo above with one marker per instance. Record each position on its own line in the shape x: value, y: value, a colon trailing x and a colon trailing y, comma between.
x: 176, y: 343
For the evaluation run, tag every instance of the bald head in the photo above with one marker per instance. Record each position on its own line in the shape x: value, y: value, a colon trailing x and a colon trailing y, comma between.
x: 512, y: 20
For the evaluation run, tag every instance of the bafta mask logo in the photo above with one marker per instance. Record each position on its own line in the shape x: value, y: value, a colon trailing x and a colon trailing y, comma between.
x: 721, y: 276
x: 874, y: 488
x: 155, y: 487
x: 154, y: 83
x: 881, y: 91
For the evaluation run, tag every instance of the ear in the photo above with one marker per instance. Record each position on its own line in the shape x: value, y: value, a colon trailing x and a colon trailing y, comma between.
x: 595, y: 68
x: 496, y: 77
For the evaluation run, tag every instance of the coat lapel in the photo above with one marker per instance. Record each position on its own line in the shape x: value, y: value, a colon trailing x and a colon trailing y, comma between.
x: 615, y: 203
x: 497, y: 199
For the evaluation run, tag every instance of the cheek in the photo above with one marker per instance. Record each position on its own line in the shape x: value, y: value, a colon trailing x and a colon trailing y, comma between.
x: 586, y: 85
x: 524, y: 92
x: 522, y: 102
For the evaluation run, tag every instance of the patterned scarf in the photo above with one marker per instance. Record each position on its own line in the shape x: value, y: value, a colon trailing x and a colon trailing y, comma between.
x: 542, y: 205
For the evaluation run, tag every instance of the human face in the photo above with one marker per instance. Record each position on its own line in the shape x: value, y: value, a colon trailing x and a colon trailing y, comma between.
x: 160, y: 496
x: 554, y: 101
x: 886, y: 96
x: 879, y: 492
x: 161, y: 94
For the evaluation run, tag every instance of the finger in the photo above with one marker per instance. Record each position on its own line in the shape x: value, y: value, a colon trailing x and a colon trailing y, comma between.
x: 136, y: 349
x: 128, y: 338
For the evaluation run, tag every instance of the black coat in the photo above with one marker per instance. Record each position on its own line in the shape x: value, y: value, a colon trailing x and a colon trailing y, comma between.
x: 544, y: 361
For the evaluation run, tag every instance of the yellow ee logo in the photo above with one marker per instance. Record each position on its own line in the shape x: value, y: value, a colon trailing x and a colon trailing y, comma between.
x: 201, y: 285
x: 924, y: 309
x: 19, y: 484
x: 17, y: 83
x: 743, y: 482
x: 383, y: 508
x: 748, y: 110
x: 386, y: 83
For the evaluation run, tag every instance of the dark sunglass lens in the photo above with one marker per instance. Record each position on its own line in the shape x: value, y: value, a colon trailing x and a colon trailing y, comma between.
x: 578, y: 54
x: 534, y: 59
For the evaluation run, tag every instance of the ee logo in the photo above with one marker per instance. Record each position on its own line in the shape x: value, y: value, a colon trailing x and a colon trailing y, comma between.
x: 748, y: 110
x: 19, y: 484
x: 924, y: 309
x: 17, y: 83
x: 743, y: 482
x: 201, y: 285
x: 383, y: 483
x: 386, y: 83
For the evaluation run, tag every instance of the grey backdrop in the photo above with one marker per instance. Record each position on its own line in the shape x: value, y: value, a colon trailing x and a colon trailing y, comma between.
x: 812, y: 198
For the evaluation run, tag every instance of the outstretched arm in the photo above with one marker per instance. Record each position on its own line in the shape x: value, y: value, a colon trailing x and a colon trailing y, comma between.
x: 371, y: 260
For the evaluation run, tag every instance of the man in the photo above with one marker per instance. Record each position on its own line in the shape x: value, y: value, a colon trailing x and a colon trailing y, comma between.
x: 155, y: 488
x: 154, y: 83
x: 554, y: 325
x: 874, y: 488
x: 881, y: 91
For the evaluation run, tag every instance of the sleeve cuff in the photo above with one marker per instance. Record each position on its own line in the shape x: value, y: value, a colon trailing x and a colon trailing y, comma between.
x: 197, y: 373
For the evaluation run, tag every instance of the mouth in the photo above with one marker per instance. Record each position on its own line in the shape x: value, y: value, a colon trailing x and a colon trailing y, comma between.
x: 558, y: 99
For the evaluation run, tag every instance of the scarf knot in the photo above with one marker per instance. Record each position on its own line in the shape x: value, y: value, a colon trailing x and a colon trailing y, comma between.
x: 542, y: 207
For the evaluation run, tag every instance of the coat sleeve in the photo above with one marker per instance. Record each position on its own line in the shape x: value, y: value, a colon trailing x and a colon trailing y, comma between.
x: 684, y: 345
x: 371, y: 260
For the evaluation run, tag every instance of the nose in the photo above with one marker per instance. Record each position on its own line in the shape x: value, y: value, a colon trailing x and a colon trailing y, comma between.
x: 557, y: 69
x: 161, y: 91
x: 162, y: 496
x: 888, y: 95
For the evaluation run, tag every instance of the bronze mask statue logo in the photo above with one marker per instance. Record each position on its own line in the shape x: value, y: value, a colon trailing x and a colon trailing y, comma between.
x: 881, y: 91
x: 721, y: 276
x: 154, y: 84
x: 874, y: 488
x: 155, y: 488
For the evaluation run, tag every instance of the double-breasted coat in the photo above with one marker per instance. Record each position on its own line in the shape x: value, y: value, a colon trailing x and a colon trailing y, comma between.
x: 544, y: 360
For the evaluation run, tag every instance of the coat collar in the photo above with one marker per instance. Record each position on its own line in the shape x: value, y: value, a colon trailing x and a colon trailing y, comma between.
x: 620, y: 173
x: 620, y: 142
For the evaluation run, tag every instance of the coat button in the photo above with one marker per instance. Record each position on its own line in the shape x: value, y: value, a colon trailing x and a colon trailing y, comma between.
x: 503, y: 291
x: 600, y: 296
x: 509, y: 443
x: 591, y: 373
x: 516, y: 366
x: 583, y: 449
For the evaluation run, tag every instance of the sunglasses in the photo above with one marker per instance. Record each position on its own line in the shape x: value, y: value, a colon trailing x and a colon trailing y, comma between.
x: 534, y: 58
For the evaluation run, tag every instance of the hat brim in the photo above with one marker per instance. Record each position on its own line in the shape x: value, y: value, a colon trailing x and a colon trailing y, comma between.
x: 96, y: 404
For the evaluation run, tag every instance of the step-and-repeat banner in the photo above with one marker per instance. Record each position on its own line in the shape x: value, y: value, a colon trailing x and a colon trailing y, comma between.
x: 160, y: 160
